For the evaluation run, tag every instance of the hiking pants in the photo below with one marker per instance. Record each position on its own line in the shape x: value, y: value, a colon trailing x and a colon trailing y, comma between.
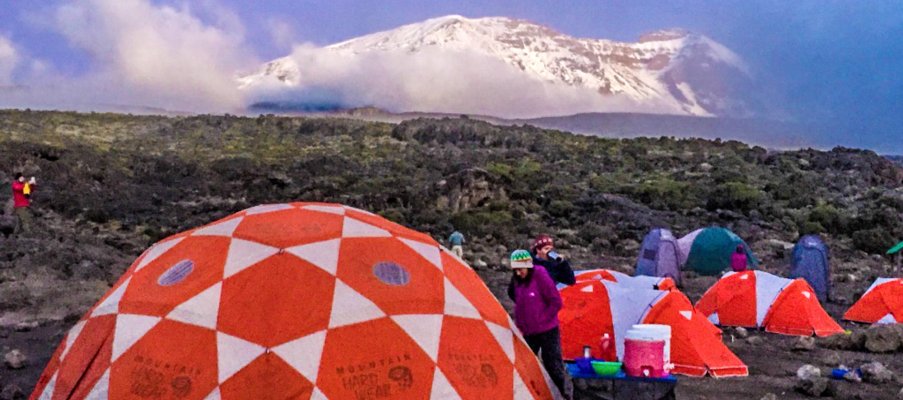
x: 549, y: 344
x: 24, y: 216
x: 458, y: 250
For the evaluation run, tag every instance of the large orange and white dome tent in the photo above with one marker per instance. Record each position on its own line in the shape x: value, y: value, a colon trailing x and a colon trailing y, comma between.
x: 595, y: 307
x: 300, y: 300
x: 757, y: 299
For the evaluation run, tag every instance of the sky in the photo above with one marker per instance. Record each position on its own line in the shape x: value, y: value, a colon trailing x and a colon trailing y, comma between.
x: 835, y: 63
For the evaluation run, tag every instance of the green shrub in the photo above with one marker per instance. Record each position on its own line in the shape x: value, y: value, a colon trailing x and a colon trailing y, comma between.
x: 482, y: 222
x: 735, y: 196
x: 828, y: 217
x: 875, y: 240
x: 561, y: 208
x: 811, y: 227
x: 666, y: 194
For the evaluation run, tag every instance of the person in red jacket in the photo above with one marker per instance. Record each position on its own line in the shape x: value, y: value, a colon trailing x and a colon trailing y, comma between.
x: 21, y: 201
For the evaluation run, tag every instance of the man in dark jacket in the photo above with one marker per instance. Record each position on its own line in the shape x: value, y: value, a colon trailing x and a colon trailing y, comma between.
x: 557, y: 266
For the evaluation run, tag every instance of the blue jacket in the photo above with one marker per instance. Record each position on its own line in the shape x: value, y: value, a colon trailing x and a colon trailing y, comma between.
x: 456, y: 239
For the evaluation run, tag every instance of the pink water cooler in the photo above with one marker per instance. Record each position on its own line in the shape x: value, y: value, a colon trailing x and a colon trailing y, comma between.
x: 644, y: 358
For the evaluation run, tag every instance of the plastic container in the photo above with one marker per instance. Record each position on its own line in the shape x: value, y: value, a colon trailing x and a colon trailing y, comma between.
x: 606, y: 368
x: 653, y: 332
x: 584, y: 365
x: 838, y: 373
x: 644, y: 358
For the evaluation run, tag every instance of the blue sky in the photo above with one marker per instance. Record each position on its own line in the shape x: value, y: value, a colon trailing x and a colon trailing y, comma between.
x: 832, y: 62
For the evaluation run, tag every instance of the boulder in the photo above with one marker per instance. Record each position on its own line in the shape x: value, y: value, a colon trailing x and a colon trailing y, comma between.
x: 840, y: 341
x: 7, y: 225
x: 26, y: 326
x: 832, y: 358
x: 807, y: 372
x: 875, y: 372
x: 814, y: 387
x: 629, y: 245
x: 15, y: 359
x: 883, y: 338
x: 741, y: 332
x: 804, y: 343
x: 12, y: 392
x: 755, y: 340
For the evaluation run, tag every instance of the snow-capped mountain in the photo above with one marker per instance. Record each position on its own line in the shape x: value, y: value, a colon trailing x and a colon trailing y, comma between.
x: 671, y: 71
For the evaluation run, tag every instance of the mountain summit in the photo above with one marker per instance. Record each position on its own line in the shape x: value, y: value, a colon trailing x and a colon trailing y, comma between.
x: 668, y: 71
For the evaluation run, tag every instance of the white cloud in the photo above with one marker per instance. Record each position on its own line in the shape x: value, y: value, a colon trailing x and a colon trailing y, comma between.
x: 434, y: 80
x: 151, y: 55
x: 282, y: 33
x: 9, y: 59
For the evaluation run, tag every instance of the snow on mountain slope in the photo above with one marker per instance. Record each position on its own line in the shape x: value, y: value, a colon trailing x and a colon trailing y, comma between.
x: 670, y: 71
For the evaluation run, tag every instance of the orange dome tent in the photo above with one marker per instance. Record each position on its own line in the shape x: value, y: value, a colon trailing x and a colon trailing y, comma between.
x: 301, y: 300
x: 882, y: 303
x: 639, y: 281
x: 593, y: 308
x: 758, y: 299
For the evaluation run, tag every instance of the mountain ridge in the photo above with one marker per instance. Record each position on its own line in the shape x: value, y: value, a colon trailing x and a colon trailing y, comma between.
x: 671, y: 70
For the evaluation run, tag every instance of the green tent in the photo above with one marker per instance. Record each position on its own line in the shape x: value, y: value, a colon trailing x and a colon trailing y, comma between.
x: 711, y: 249
x: 896, y: 248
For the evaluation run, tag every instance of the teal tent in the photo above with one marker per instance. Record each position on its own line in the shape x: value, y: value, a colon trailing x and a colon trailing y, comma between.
x: 896, y: 248
x: 709, y: 250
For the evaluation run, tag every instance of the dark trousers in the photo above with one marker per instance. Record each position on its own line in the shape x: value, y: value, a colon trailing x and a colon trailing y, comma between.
x: 24, y: 216
x: 548, y: 346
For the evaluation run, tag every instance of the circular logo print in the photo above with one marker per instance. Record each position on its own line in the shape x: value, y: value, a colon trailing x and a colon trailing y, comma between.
x: 391, y: 273
x: 177, y: 273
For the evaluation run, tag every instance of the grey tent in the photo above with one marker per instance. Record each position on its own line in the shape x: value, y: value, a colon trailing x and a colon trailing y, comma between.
x: 659, y: 255
x: 810, y: 262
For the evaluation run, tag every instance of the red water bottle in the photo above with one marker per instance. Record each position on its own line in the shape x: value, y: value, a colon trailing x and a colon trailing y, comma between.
x: 605, y: 344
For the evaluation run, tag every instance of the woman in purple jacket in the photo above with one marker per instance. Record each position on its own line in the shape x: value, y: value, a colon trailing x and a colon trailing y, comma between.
x: 536, y: 305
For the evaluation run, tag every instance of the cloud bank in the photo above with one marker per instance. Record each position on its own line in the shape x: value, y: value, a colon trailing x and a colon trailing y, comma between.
x: 9, y: 58
x: 146, y: 55
x: 433, y: 80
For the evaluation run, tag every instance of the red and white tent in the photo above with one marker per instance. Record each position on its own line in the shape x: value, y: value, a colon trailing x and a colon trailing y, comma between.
x: 595, y: 307
x: 638, y: 282
x: 300, y: 300
x: 882, y: 303
x: 757, y: 299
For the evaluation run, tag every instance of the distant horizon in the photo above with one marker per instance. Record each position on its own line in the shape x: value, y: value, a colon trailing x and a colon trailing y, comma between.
x: 831, y: 63
x: 343, y: 113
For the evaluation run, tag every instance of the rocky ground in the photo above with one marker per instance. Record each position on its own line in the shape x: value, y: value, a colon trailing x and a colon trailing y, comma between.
x: 111, y: 185
x: 773, y: 360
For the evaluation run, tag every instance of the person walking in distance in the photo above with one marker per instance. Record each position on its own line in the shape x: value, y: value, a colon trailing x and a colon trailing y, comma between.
x: 22, y: 191
x: 456, y: 241
x: 536, y: 306
x: 738, y: 259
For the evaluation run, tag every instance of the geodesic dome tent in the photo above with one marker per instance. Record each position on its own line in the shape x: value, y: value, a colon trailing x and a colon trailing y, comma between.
x: 882, y: 303
x: 809, y: 261
x: 300, y: 300
x: 708, y: 251
x: 659, y: 255
x: 592, y: 308
x: 757, y: 299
